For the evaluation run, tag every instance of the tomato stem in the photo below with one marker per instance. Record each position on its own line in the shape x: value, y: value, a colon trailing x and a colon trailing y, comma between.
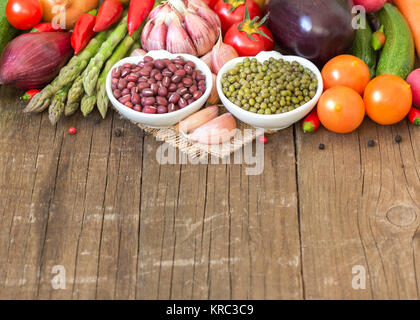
x: 234, y: 3
x: 252, y: 26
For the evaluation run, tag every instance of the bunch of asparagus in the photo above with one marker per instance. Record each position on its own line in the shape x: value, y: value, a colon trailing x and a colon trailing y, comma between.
x: 81, y: 83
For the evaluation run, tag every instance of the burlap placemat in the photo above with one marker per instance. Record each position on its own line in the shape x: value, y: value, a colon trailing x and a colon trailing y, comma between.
x: 244, y: 135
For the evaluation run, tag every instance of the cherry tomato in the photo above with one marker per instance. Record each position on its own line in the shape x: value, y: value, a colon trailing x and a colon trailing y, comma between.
x: 24, y: 14
x: 348, y: 71
x: 233, y: 11
x: 341, y: 109
x: 388, y: 99
x: 250, y: 37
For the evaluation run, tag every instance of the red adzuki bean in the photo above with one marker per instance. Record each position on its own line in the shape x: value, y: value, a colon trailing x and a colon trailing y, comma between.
x: 158, y: 86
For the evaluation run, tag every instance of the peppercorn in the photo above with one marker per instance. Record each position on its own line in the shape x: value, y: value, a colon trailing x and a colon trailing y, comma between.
x: 398, y: 139
x: 321, y: 146
x: 371, y: 143
x: 117, y: 132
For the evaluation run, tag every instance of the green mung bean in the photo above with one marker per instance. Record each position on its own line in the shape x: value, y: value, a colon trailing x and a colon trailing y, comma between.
x: 272, y: 87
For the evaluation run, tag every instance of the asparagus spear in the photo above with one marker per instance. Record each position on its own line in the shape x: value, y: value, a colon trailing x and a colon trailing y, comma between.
x: 76, y: 91
x: 95, y: 65
x: 119, y: 53
x: 71, y: 109
x: 67, y: 74
x: 87, y: 104
x: 75, y: 96
x: 57, y: 105
x: 102, y: 101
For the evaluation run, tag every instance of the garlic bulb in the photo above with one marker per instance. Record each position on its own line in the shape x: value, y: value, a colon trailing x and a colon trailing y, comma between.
x: 181, y: 26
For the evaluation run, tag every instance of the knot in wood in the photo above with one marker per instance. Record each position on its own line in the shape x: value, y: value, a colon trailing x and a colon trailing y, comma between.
x: 401, y: 216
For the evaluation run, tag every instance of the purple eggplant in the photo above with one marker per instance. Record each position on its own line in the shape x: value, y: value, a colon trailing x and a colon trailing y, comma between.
x: 314, y: 29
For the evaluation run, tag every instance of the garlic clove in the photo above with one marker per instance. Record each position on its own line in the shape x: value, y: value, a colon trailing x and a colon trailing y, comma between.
x: 138, y: 53
x: 157, y: 37
x: 221, y: 54
x: 145, y: 34
x: 197, y: 119
x: 155, y: 12
x: 207, y: 59
x: 200, y: 32
x: 178, y: 40
x: 165, y: 14
x: 210, y: 17
x: 216, y: 131
x: 206, y: 13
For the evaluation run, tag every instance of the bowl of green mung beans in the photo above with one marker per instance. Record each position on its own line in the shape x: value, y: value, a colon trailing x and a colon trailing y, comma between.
x: 269, y: 91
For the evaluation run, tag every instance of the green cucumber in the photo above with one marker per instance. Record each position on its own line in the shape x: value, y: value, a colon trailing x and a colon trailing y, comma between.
x: 7, y: 32
x: 362, y: 48
x: 398, y: 54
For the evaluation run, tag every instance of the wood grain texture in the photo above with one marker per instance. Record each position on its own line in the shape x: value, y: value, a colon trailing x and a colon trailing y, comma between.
x: 125, y: 226
x: 360, y: 206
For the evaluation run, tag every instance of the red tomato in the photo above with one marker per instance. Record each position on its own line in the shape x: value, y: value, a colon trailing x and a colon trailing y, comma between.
x: 250, y: 37
x: 24, y: 14
x: 233, y: 11
x: 341, y: 109
x: 388, y: 99
x: 348, y: 71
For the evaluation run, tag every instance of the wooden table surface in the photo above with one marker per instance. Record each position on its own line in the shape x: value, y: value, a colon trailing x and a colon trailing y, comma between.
x: 101, y: 212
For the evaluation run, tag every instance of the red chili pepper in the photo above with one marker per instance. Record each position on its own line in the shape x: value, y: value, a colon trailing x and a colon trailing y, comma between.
x: 378, y: 39
x: 83, y: 31
x: 311, y: 122
x: 137, y: 12
x: 109, y: 14
x: 47, y: 27
x: 30, y: 94
x: 414, y: 116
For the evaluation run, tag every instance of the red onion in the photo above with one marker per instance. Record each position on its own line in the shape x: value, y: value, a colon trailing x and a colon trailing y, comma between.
x: 33, y: 60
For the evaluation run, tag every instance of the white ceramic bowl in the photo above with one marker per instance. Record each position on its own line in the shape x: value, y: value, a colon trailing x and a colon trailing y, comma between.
x: 276, y: 121
x: 167, y: 119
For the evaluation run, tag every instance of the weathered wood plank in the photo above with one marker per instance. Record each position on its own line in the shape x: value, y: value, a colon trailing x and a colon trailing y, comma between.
x: 29, y: 155
x: 390, y: 211
x: 203, y: 229
x: 330, y: 185
x: 88, y: 242
x: 159, y: 200
x: 67, y: 210
x: 117, y: 270
x: 124, y: 226
x: 273, y: 225
x: 359, y: 206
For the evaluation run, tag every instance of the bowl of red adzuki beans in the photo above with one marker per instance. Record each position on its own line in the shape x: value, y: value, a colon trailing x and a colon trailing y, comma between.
x: 160, y: 89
